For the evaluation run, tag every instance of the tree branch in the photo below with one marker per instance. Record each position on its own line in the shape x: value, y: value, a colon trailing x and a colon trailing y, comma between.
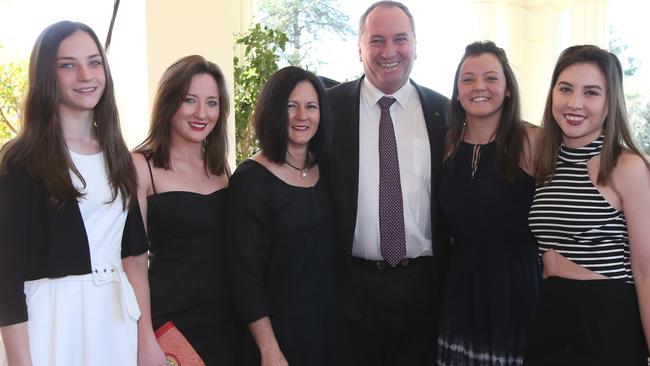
x: 5, y: 120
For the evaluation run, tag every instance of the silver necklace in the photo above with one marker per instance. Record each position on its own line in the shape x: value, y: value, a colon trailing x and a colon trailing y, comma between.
x: 303, y: 171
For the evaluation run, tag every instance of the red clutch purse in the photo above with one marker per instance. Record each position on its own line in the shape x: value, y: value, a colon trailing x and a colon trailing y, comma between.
x: 178, y: 351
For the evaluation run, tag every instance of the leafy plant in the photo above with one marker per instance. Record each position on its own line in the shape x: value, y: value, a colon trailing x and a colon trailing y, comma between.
x: 13, y: 84
x: 639, y: 115
x: 252, y: 70
x: 306, y: 23
x: 638, y: 105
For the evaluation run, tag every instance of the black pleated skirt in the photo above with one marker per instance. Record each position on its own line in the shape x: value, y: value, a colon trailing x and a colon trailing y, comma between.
x: 590, y: 323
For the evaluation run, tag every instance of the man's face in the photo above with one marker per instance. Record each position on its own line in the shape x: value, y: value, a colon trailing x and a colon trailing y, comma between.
x: 387, y: 48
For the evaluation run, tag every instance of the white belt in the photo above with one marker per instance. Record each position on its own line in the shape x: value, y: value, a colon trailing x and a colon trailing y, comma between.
x: 106, y: 271
x: 103, y: 272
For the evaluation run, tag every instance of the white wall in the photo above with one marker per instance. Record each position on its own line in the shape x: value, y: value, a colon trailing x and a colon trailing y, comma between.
x: 151, y: 34
x: 533, y: 33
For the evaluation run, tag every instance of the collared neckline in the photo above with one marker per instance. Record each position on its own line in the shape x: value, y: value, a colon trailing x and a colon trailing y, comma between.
x: 371, y: 95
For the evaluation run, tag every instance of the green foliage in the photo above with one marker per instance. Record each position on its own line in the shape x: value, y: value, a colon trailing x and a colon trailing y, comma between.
x: 305, y: 23
x: 13, y: 84
x: 259, y: 62
x: 629, y: 63
x: 638, y: 106
x: 639, y: 114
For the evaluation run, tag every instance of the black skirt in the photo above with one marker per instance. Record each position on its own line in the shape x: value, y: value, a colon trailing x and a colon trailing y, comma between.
x: 592, y: 323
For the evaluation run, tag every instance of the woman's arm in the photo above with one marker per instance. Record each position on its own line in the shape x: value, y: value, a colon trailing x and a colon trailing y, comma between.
x: 16, y: 344
x: 632, y: 182
x: 264, y: 337
x: 249, y: 252
x: 531, y: 139
x: 16, y: 206
x: 136, y: 268
x: 149, y: 352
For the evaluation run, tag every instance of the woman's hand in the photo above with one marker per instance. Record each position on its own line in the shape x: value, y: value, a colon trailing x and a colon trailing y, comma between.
x: 150, y: 353
x: 274, y: 358
x: 263, y: 334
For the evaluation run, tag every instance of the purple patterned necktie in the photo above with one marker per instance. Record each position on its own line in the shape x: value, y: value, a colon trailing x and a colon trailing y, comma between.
x: 392, y: 238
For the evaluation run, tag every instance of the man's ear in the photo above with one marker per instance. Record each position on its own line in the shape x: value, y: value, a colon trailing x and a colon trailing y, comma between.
x: 415, y: 48
x: 359, y: 47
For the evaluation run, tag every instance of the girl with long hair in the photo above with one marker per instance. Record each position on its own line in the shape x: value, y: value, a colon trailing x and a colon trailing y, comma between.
x: 66, y: 185
x: 590, y: 218
x: 182, y: 189
x: 484, y: 194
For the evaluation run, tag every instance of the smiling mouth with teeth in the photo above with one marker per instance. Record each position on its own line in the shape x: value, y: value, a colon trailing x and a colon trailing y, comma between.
x: 574, y: 119
x: 86, y: 90
x: 390, y: 65
x: 197, y: 125
x: 479, y: 99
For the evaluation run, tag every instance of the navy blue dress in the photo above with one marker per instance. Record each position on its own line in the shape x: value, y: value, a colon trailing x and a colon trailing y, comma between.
x: 493, y: 272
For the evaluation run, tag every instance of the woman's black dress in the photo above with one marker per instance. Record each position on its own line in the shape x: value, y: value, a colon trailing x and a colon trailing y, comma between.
x: 285, y: 265
x: 493, y: 274
x: 186, y: 270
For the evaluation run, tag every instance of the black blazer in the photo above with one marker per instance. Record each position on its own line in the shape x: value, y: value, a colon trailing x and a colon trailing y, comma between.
x: 38, y: 240
x: 342, y: 164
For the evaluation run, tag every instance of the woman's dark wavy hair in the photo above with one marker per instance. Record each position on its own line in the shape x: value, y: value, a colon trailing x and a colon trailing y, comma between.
x: 172, y: 90
x: 271, y: 116
x: 511, y: 133
x: 616, y: 127
x: 40, y: 147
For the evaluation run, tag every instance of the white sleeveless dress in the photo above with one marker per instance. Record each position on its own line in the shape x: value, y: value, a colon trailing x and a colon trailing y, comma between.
x: 87, y: 320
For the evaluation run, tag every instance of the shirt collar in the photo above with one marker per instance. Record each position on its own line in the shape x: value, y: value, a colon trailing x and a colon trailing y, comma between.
x: 371, y: 95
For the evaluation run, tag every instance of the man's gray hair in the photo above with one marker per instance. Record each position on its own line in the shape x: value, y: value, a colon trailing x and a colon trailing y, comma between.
x: 386, y: 3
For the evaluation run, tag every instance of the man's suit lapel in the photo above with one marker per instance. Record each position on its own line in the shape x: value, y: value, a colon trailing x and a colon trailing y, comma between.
x: 353, y: 135
x: 350, y: 173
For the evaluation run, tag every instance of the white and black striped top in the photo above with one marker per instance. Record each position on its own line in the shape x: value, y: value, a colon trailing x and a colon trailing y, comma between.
x: 572, y: 217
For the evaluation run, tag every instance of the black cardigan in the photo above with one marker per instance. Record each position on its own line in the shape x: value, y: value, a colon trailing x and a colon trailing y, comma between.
x: 38, y: 240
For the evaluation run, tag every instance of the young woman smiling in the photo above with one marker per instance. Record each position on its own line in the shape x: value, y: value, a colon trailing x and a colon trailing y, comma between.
x: 66, y: 185
x: 484, y: 194
x: 589, y: 216
x: 182, y: 188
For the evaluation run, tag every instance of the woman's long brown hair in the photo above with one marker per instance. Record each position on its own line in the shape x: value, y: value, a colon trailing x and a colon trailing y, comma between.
x: 172, y: 89
x: 616, y: 128
x: 40, y: 147
x: 511, y: 132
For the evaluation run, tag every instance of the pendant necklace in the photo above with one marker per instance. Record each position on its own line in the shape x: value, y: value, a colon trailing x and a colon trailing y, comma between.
x: 476, y: 151
x: 303, y: 171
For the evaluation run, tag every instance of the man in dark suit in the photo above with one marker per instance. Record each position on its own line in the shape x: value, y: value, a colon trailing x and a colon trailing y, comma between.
x: 383, y: 182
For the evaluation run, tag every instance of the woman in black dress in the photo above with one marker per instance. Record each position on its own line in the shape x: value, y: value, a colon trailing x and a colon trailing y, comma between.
x: 182, y: 186
x: 282, y: 251
x: 485, y: 192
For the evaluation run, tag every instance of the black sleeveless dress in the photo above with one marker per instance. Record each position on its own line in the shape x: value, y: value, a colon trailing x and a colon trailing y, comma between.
x: 493, y: 272
x: 186, y: 270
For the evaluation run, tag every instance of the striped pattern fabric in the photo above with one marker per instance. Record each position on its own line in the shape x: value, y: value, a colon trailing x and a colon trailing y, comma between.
x: 571, y: 216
